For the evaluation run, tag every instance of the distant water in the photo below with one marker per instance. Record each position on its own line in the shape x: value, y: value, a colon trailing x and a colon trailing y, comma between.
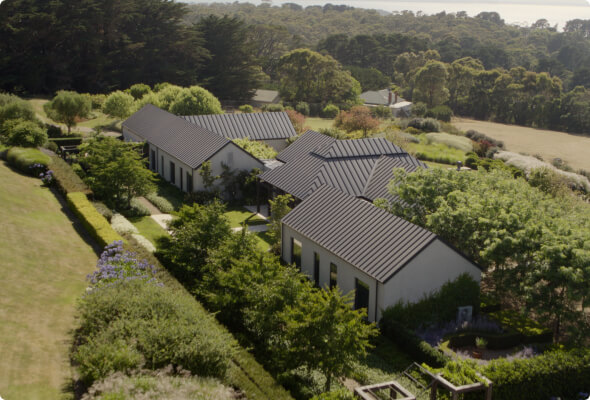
x: 518, y: 14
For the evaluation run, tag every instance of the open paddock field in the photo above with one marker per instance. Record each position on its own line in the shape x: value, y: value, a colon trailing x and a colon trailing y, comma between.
x: 574, y: 149
x: 43, y: 268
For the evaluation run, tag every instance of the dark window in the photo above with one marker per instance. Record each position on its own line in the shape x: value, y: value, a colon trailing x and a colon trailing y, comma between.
x: 162, y: 165
x: 181, y: 178
x: 333, y: 275
x: 296, y: 252
x: 189, y: 182
x: 154, y: 161
x: 316, y: 269
x: 361, y: 297
x: 172, y: 173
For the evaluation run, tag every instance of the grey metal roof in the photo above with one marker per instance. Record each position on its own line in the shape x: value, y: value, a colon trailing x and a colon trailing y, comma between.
x: 314, y: 160
x: 266, y: 96
x: 295, y: 177
x: 373, y: 240
x: 304, y: 145
x: 382, y: 174
x: 187, y: 142
x: 256, y: 126
x: 380, y: 97
x: 372, y: 147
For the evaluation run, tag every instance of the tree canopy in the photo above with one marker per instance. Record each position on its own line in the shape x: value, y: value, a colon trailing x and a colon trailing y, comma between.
x: 67, y: 107
x: 308, y: 76
x: 533, y: 245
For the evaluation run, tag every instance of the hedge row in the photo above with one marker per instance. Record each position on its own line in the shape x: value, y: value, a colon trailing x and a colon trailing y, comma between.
x: 66, y: 141
x: 22, y: 158
x: 244, y: 371
x: 66, y: 179
x: 558, y: 373
x: 95, y: 223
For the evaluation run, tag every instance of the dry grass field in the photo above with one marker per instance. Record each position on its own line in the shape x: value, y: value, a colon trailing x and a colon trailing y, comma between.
x: 549, y: 144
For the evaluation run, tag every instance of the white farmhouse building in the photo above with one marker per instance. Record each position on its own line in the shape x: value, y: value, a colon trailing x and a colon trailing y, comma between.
x: 338, y: 239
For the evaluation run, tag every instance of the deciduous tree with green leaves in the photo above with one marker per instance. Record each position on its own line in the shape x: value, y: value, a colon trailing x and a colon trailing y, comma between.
x: 117, y: 171
x: 68, y: 106
x: 533, y: 245
x: 118, y: 104
x: 279, y: 207
x: 359, y: 118
x: 323, y: 332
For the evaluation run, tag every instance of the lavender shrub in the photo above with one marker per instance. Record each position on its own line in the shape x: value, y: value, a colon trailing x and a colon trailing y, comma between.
x: 116, y: 265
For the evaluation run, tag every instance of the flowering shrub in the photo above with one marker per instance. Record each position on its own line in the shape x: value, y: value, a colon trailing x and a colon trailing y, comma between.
x: 115, y: 264
x: 122, y: 225
x: 37, y: 169
x: 47, y: 177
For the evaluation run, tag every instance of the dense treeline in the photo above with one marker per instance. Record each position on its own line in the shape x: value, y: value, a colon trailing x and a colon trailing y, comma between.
x: 99, y: 46
x: 486, y: 37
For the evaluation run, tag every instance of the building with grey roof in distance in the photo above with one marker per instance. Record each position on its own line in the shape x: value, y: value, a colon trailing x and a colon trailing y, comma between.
x: 359, y: 167
x: 338, y: 239
x: 272, y: 128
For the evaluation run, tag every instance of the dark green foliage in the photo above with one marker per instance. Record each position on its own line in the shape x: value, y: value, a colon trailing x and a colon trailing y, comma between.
x: 441, y: 113
x: 22, y: 158
x: 381, y: 112
x: 415, y: 347
x: 139, y: 90
x: 95, y: 46
x: 341, y: 394
x: 246, y: 108
x: 12, y: 107
x: 437, y: 307
x: 66, y: 180
x: 369, y: 78
x: 231, y: 72
x: 53, y: 131
x: 136, y: 324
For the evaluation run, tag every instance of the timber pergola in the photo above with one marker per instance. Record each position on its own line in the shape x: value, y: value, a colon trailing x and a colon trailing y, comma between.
x: 394, y: 388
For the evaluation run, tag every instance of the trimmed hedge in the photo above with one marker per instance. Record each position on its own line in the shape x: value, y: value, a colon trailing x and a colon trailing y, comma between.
x: 558, y: 373
x: 160, y: 202
x: 98, y: 227
x: 67, y: 141
x: 66, y: 179
x: 22, y: 158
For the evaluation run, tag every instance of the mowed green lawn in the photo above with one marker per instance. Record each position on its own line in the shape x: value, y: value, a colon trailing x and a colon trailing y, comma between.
x: 43, y: 266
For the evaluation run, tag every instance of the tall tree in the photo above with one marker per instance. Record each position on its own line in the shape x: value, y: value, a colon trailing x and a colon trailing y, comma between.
x: 117, y: 171
x: 306, y: 75
x: 430, y: 86
x: 232, y: 71
x: 68, y: 107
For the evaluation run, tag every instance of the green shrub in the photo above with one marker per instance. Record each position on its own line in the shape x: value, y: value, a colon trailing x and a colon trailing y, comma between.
x: 439, y: 306
x: 500, y: 341
x: 66, y: 179
x: 133, y: 324
x: 139, y: 90
x: 330, y: 111
x: 25, y: 134
x: 438, y: 152
x: 559, y: 373
x: 258, y: 149
x: 17, y: 109
x: 381, y: 112
x: 419, y: 109
x: 453, y: 141
x: 137, y: 209
x: 425, y: 124
x: 23, y: 158
x: 531, y: 329
x: 51, y: 146
x: 303, y: 108
x: 160, y: 202
x: 415, y: 347
x: 246, y: 108
x: 53, y: 131
x: 98, y: 227
x: 442, y: 113
x: 3, y: 151
x: 273, y: 108
x: 97, y: 100
x: 412, y: 130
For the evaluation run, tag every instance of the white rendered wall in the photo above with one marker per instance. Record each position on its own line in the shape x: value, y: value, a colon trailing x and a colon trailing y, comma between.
x: 347, y: 274
x: 427, y: 272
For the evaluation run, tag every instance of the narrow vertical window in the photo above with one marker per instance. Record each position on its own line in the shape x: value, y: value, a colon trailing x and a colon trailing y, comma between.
x: 316, y: 269
x: 181, y: 178
x: 361, y: 296
x: 333, y: 275
x: 162, y: 166
x: 172, y: 173
x: 296, y: 252
x: 154, y: 161
x: 189, y: 182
